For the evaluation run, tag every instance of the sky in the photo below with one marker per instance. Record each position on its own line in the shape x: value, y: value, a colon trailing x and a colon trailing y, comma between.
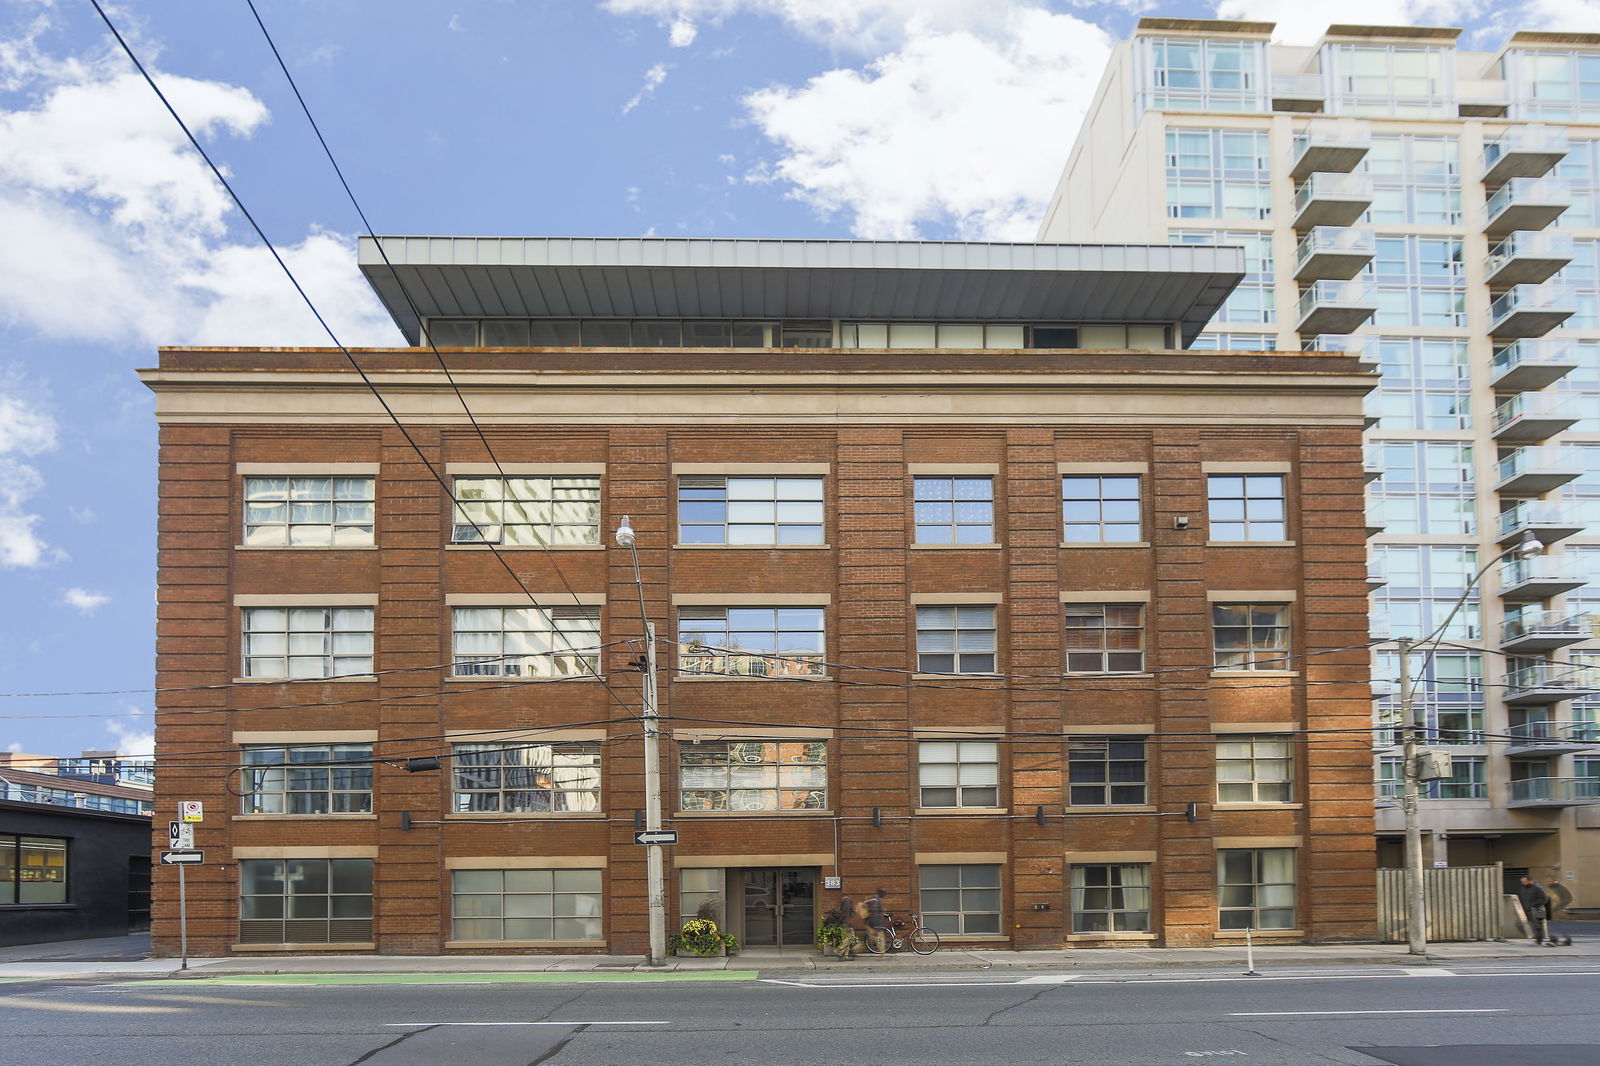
x: 934, y: 119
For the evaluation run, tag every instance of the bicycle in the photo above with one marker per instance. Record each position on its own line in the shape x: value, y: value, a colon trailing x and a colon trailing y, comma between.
x: 896, y: 936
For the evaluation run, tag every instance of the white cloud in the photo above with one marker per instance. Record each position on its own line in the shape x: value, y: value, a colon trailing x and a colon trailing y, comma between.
x: 84, y: 600
x: 864, y: 27
x: 130, y: 739
x: 1302, y: 23
x: 652, y: 81
x: 26, y: 429
x: 681, y: 33
x: 1570, y: 16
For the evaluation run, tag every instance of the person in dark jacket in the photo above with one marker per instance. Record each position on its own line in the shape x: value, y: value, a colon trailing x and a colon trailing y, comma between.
x: 1560, y: 900
x: 1536, y: 905
x: 877, y: 925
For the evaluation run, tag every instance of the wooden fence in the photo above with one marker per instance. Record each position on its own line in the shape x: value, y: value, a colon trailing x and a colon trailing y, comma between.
x: 1464, y: 903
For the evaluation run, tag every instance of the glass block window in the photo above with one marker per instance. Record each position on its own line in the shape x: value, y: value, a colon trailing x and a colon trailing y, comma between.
x: 954, y: 510
x: 750, y: 510
x: 1247, y: 507
x: 525, y: 904
x: 305, y: 901
x: 752, y: 641
x: 308, y: 512
x: 33, y: 869
x: 959, y: 773
x: 522, y: 511
x: 307, y: 779
x: 956, y: 640
x: 294, y: 642
x: 1250, y: 636
x: 1255, y: 888
x: 1111, y: 897
x: 1101, y: 510
x: 961, y: 899
x: 526, y: 778
x: 1255, y: 770
x: 1106, y: 771
x: 753, y: 775
x: 1105, y: 638
x: 526, y: 641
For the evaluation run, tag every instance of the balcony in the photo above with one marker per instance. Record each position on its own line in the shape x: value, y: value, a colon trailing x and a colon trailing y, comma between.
x: 1526, y: 204
x: 1363, y: 349
x: 1329, y: 145
x: 1554, y: 791
x: 1331, y: 200
x: 1539, y: 578
x: 1527, y: 257
x: 1523, y: 152
x: 1531, y: 417
x: 1298, y: 92
x: 1333, y: 253
x: 1546, y: 683
x: 1372, y: 462
x: 1377, y: 574
x: 1552, y: 738
x: 1528, y: 632
x: 1529, y: 364
x: 1530, y: 310
x: 1548, y: 522
x: 1336, y: 306
x: 1481, y: 97
x: 1534, y: 471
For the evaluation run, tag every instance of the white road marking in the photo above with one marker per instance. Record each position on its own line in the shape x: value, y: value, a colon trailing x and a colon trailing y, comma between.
x: 1053, y: 979
x: 524, y: 1023
x: 1306, y: 1013
x: 1426, y: 971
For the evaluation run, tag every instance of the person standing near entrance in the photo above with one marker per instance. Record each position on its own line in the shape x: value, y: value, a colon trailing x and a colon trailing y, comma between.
x: 1560, y: 897
x: 1536, y: 905
x: 877, y: 925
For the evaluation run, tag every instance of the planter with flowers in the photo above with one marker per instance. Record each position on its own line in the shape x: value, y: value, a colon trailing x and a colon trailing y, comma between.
x: 700, y: 936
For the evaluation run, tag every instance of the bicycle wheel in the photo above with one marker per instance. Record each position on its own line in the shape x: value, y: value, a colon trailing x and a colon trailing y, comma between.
x: 924, y: 941
x: 871, y: 947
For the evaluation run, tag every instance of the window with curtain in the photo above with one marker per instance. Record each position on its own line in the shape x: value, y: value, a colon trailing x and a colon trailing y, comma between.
x: 1111, y: 897
x: 1256, y: 888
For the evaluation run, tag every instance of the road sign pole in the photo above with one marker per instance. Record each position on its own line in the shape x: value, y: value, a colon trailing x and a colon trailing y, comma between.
x: 183, y: 921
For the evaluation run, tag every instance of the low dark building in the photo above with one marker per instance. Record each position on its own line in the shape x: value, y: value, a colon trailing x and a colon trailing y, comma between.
x: 69, y: 873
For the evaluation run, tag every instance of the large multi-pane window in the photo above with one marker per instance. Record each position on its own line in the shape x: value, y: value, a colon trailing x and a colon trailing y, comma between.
x: 1582, y: 496
x: 1419, y: 282
x: 959, y: 773
x: 525, y: 904
x: 525, y: 778
x: 32, y: 869
x: 1466, y: 781
x: 1426, y: 487
x: 1111, y: 897
x: 1219, y: 174
x: 1425, y: 585
x: 1250, y: 636
x: 956, y: 640
x: 1246, y: 507
x: 1581, y: 389
x: 749, y: 510
x: 1252, y: 299
x: 1101, y: 510
x: 1426, y: 383
x: 305, y: 901
x: 1416, y: 180
x: 307, y: 779
x: 1581, y: 171
x: 1256, y: 769
x: 1255, y: 888
x: 295, y: 642
x: 307, y: 512
x: 753, y: 775
x: 1554, y: 86
x: 517, y: 511
x: 751, y: 641
x: 526, y: 641
x: 1187, y: 74
x: 1235, y: 342
x: 1106, y: 772
x: 1401, y: 80
x: 1105, y: 638
x: 954, y: 510
x: 1581, y: 279
x: 960, y: 900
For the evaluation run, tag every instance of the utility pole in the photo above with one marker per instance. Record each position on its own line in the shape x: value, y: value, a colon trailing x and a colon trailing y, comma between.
x: 1416, y: 896
x: 655, y: 864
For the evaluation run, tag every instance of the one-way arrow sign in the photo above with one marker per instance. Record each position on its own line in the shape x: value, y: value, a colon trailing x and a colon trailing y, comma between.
x: 656, y: 836
x: 186, y: 857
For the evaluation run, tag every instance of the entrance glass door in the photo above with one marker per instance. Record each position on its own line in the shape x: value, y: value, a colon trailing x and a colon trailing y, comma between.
x: 780, y: 907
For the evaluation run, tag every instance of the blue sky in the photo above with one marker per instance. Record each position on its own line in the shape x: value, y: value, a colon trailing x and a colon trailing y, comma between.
x: 791, y: 118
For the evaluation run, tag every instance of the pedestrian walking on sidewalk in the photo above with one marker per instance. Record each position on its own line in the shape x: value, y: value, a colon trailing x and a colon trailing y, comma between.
x: 877, y: 924
x: 1560, y: 902
x: 1536, y: 905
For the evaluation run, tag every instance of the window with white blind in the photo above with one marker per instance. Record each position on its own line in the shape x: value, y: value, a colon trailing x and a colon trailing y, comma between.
x: 959, y: 773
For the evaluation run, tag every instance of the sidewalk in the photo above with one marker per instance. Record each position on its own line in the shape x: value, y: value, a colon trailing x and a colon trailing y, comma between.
x: 89, y: 959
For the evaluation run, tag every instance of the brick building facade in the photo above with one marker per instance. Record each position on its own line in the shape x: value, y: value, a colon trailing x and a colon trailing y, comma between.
x: 1056, y: 646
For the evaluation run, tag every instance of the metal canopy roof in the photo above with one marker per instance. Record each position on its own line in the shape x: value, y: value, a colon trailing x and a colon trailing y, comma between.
x: 654, y: 277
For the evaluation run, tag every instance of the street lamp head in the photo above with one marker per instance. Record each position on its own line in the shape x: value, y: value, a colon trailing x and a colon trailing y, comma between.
x: 1528, y: 547
x: 624, y: 534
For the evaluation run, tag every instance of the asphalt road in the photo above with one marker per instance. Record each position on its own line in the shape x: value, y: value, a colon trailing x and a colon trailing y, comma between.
x: 1500, y: 1014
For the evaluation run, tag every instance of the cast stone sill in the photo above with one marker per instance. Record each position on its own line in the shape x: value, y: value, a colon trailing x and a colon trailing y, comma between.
x: 1249, y: 543
x: 305, y: 547
x: 342, y: 680
x: 958, y: 677
x: 1245, y: 675
x: 962, y: 812
x: 342, y: 946
x: 953, y: 547
x: 747, y: 677
x: 1078, y: 675
x: 753, y: 814
x: 303, y: 817
x: 1112, y: 808
x: 1092, y: 544
x: 1112, y: 936
x: 755, y: 547
x: 1256, y: 934
x: 496, y: 679
x: 482, y: 547
x: 1257, y: 806
x: 524, y: 943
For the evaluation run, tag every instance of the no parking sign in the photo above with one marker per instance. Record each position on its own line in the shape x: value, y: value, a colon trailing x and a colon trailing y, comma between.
x: 191, y: 811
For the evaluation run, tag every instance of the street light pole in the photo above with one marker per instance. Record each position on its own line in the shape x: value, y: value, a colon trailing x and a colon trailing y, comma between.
x: 655, y: 864
x: 1411, y: 770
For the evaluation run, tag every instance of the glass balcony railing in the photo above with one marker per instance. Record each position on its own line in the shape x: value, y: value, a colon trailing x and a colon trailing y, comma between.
x: 1528, y: 150
x: 1556, y: 790
x: 1546, y: 462
x: 1527, y: 256
x: 1554, y: 734
x: 1560, y: 680
x: 1538, y: 514
x: 1531, y: 353
x: 1544, y: 416
x: 1331, y: 144
x: 1298, y: 87
x: 1348, y: 302
x: 1548, y: 299
x: 1322, y: 188
x: 1336, y: 252
x: 1580, y: 626
x: 1527, y: 203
